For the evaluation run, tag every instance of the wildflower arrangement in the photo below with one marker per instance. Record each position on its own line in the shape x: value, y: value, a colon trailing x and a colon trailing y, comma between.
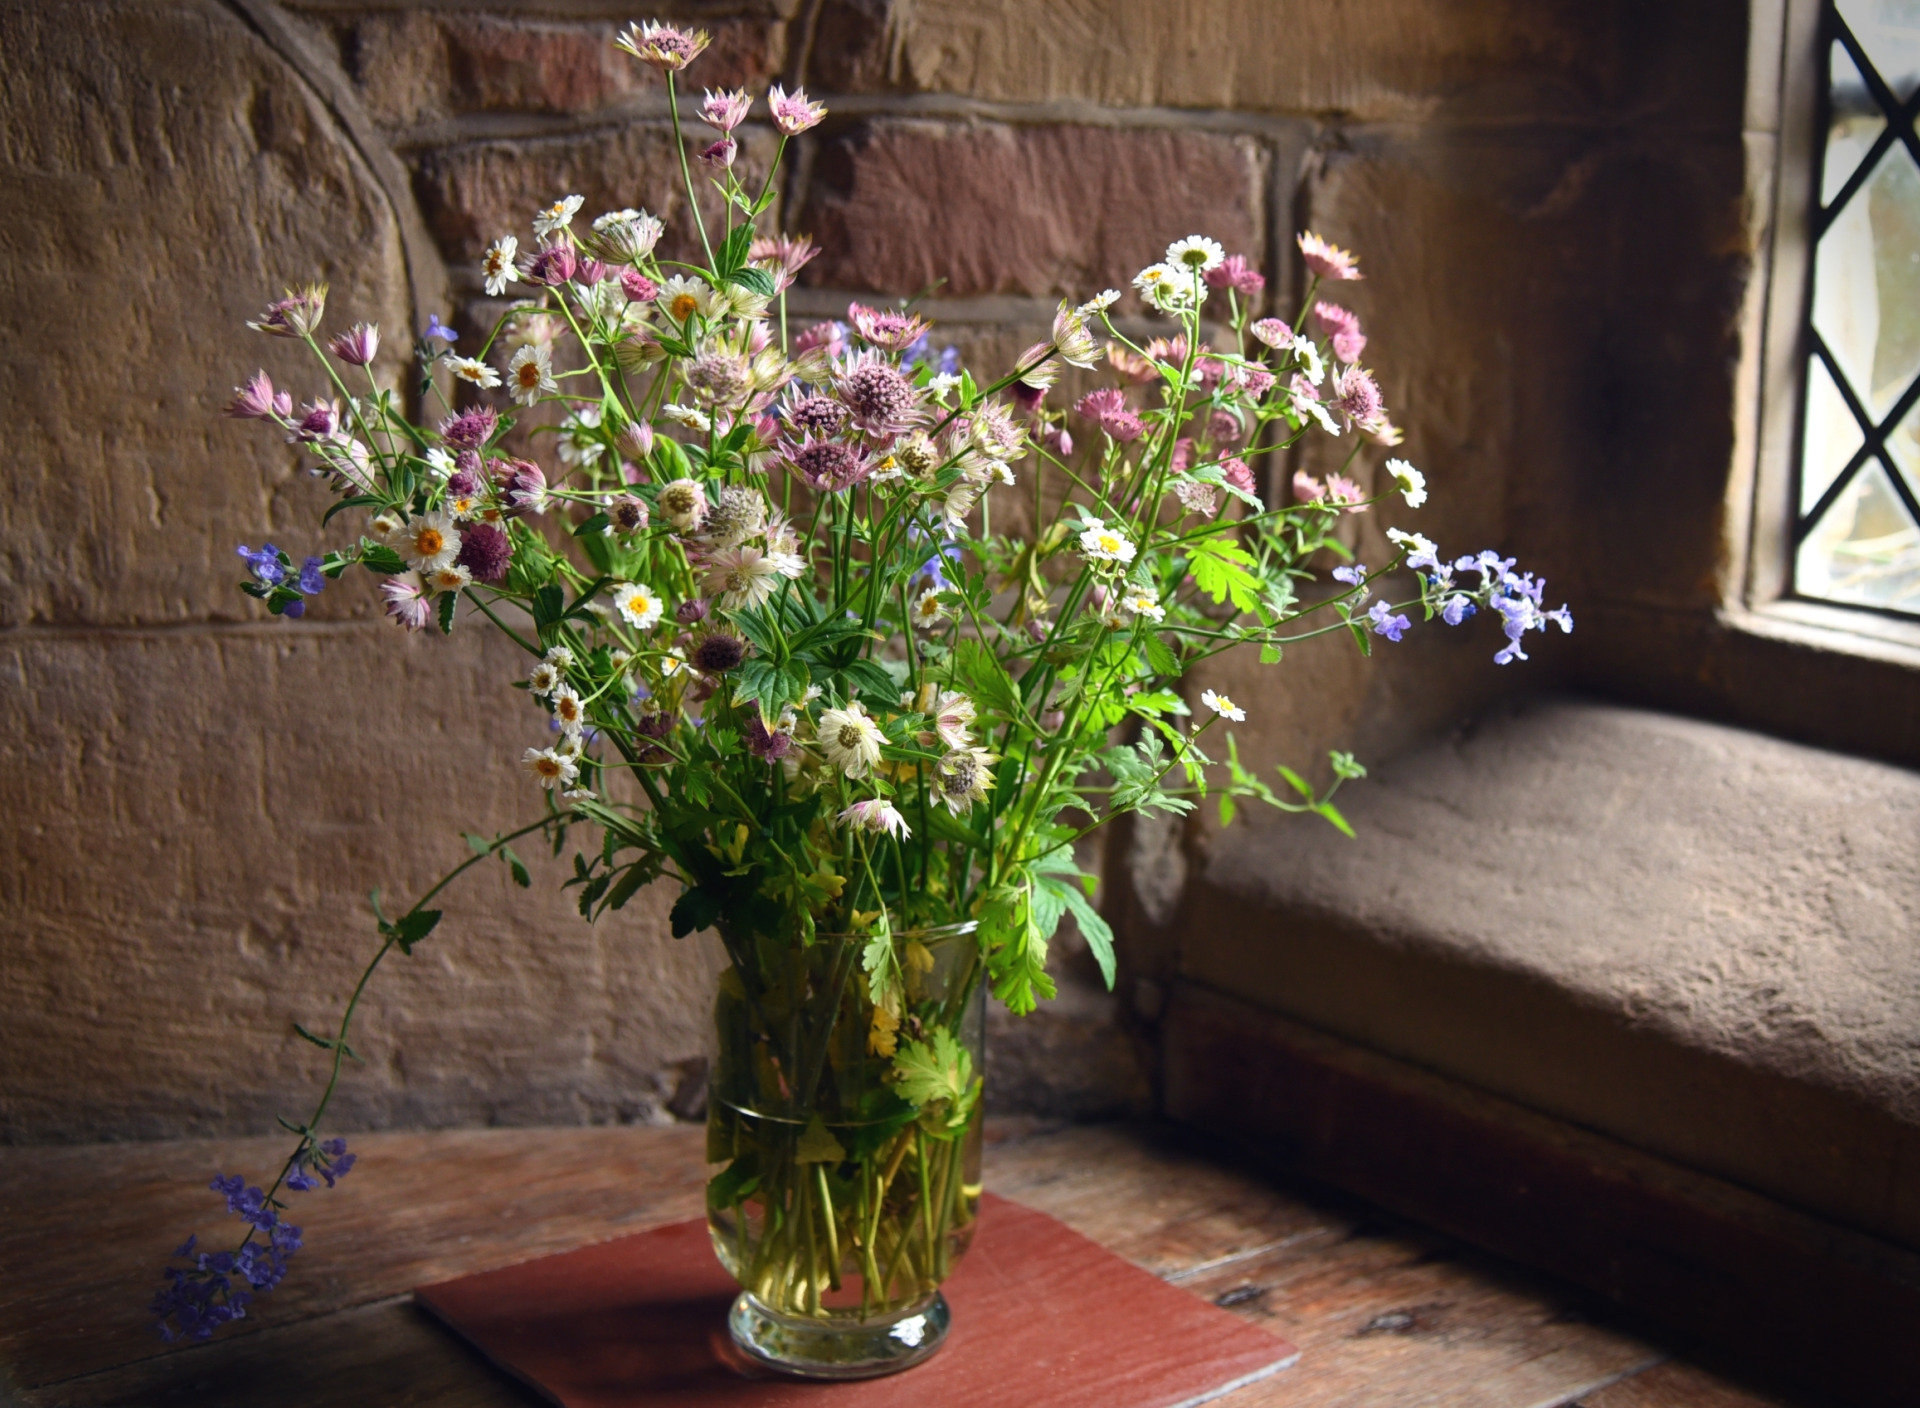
x: 780, y: 654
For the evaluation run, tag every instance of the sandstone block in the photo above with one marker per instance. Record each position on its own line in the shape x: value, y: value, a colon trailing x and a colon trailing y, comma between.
x: 899, y: 205
x: 1399, y: 61
x: 152, y: 218
x: 198, y: 819
x: 471, y: 194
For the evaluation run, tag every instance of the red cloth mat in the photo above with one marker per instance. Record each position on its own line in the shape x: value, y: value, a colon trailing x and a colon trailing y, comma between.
x: 1042, y: 1318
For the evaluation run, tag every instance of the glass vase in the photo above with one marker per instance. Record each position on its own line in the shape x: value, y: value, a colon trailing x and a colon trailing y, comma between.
x: 839, y: 1205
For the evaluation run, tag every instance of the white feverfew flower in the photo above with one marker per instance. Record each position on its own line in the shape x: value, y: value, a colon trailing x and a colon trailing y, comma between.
x: 929, y: 610
x: 497, y: 266
x: 557, y: 216
x: 638, y: 604
x: 543, y: 679
x: 530, y: 374
x: 1099, y: 543
x: 428, y: 542
x: 448, y: 579
x: 559, y: 657
x: 1143, y: 601
x: 568, y: 710
x: 1223, y: 706
x: 1099, y: 303
x: 851, y: 739
x: 1165, y: 287
x: 475, y: 372
x: 690, y: 416
x: 1312, y: 366
x: 940, y: 386
x: 552, y: 770
x: 440, y: 463
x: 1412, y: 483
x: 1196, y: 254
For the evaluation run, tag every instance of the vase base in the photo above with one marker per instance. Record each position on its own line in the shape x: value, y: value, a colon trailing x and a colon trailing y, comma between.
x: 821, y: 1349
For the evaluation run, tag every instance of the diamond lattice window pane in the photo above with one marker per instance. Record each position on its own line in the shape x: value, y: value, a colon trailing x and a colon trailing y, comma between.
x: 1866, y: 300
x: 1856, y: 124
x: 1832, y: 436
x: 1889, y: 30
x: 1865, y: 551
x: 1903, y: 445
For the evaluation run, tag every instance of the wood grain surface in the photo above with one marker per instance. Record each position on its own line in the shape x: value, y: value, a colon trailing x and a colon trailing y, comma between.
x: 1386, y: 1315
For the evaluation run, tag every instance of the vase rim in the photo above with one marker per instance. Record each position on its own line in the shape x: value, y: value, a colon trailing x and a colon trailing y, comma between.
x: 959, y: 928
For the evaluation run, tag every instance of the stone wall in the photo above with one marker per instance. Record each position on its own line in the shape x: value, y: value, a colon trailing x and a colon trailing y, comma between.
x: 1549, y: 200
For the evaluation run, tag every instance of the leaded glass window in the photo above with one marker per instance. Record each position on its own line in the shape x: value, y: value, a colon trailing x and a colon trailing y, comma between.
x: 1857, y: 511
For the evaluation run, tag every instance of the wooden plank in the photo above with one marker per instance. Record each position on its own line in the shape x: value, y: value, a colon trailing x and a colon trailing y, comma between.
x: 1777, y: 1289
x: 85, y: 1231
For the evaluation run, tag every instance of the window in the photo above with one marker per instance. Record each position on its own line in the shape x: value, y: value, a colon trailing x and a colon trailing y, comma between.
x: 1856, y: 495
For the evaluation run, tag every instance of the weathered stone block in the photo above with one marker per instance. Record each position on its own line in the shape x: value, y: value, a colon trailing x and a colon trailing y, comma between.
x: 1405, y: 61
x: 199, y: 817
x: 152, y: 217
x: 900, y: 205
x: 472, y: 194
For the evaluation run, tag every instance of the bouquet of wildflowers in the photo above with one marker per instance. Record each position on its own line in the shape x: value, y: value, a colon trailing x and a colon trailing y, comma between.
x: 780, y: 654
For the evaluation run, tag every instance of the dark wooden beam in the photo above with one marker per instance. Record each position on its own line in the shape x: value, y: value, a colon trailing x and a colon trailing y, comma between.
x: 1828, y: 1307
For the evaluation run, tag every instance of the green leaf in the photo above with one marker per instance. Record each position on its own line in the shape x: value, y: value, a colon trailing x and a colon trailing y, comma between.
x: 817, y: 1145
x: 1159, y: 701
x: 933, y: 1070
x: 1160, y: 657
x: 1332, y: 814
x: 1093, y: 928
x: 732, y: 255
x: 357, y: 501
x: 670, y: 459
x: 479, y: 845
x: 628, y: 885
x: 378, y: 557
x: 549, y: 605
x: 1295, y: 781
x: 414, y: 926
x: 735, y: 1183
x: 1219, y: 566
x: 598, y: 523
x: 870, y: 678
x: 1269, y: 654
x: 985, y: 679
x: 448, y: 601
x: 696, y: 909
x: 754, y: 280
x: 1227, y: 809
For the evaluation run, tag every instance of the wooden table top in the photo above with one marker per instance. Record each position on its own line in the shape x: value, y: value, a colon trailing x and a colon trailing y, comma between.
x: 1384, y: 1314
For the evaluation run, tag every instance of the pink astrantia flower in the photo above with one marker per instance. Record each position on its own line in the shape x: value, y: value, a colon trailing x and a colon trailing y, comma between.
x: 725, y: 111
x: 1235, y: 471
x: 1195, y: 497
x: 408, y: 601
x: 1347, y: 494
x: 1273, y: 331
x: 358, y: 345
x: 886, y: 327
x: 876, y: 814
x: 1356, y: 396
x: 553, y: 265
x: 319, y: 422
x: 1182, y: 457
x: 639, y: 288
x: 1109, y: 409
x: 878, y: 397
x: 828, y: 337
x: 470, y: 429
x: 1343, y: 327
x: 525, y: 488
x: 720, y: 155
x: 783, y: 257
x: 667, y: 47
x: 1224, y: 428
x: 1256, y: 381
x: 792, y: 113
x: 1326, y: 260
x: 257, y: 400
x: 1131, y: 364
x: 1307, y: 489
x: 1235, y: 273
x: 829, y: 465
x: 296, y: 315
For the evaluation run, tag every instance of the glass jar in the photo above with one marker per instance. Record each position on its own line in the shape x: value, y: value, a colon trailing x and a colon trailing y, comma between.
x: 843, y: 1140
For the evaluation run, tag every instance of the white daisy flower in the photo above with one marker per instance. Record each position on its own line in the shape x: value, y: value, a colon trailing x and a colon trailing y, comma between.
x: 851, y: 739
x: 530, y: 374
x: 1312, y: 365
x: 940, y: 386
x: 681, y: 297
x: 549, y: 768
x: 428, y: 542
x: 559, y: 657
x: 475, y: 371
x: 1412, y: 483
x: 557, y: 216
x: 577, y: 794
x: 741, y: 577
x: 1099, y: 303
x: 1169, y: 288
x: 543, y: 679
x: 1196, y: 253
x: 1099, y: 543
x: 1223, y: 706
x: 690, y: 416
x: 671, y: 664
x: 567, y: 708
x: 638, y: 604
x: 1143, y: 601
x: 449, y: 579
x: 440, y: 463
x: 877, y: 814
x: 928, y: 609
x: 497, y: 266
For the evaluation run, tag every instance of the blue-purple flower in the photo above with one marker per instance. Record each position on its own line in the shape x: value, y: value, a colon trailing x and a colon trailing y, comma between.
x: 438, y: 331
x: 1387, y: 622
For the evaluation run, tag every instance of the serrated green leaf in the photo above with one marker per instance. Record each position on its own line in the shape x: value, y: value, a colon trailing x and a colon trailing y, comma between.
x: 754, y: 280
x: 414, y: 926
x: 448, y: 601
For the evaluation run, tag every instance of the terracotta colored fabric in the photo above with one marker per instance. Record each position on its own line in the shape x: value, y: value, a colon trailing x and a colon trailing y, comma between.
x: 1042, y: 1318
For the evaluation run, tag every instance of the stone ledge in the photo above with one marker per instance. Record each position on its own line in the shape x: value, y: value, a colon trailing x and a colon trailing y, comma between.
x: 1691, y: 938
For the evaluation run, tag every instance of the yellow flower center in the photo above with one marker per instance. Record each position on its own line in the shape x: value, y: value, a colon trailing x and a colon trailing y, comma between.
x: 529, y: 375
x: 683, y: 307
x: 1226, y: 705
x: 548, y: 767
x: 428, y: 541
